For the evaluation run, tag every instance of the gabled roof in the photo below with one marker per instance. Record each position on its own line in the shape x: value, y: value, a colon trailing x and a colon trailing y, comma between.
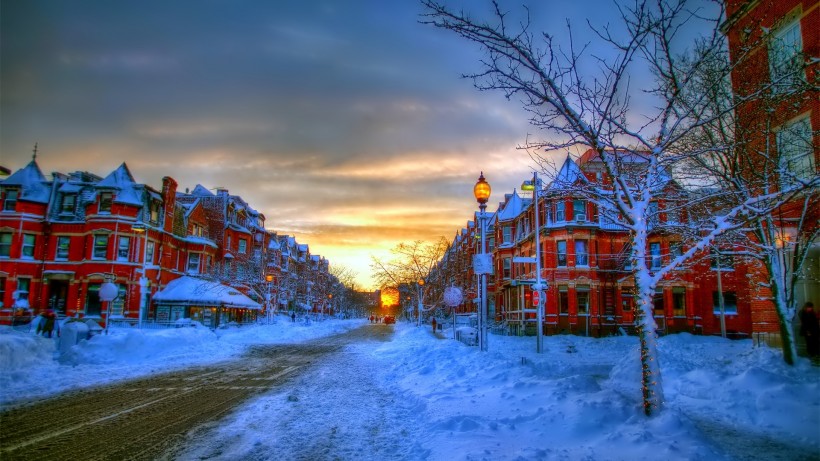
x: 32, y: 183
x: 511, y: 208
x: 201, y: 190
x: 122, y: 180
x: 569, y: 174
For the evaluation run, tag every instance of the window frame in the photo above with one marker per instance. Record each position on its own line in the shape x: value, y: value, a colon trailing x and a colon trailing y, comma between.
x: 582, y: 257
x: 99, y: 252
x: 62, y: 248
x: 5, y: 246
x: 10, y: 199
x: 785, y: 51
x: 106, y: 202
x: 123, y: 248
x: 796, y: 158
x: 729, y: 303
x: 193, y: 258
x: 561, y: 253
x: 27, y: 246
x: 68, y: 203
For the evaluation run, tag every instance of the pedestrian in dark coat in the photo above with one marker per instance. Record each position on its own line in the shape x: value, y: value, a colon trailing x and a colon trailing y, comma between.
x: 810, y: 329
x: 48, y: 323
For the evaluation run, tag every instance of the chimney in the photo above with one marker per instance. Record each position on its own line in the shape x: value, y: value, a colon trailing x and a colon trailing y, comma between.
x: 169, y: 199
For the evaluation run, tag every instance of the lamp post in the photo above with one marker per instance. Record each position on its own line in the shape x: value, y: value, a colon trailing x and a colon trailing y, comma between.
x: 420, y: 293
x: 329, y: 302
x: 482, y: 190
x: 269, y: 307
x: 537, y: 286
x: 108, y: 292
x: 141, y: 228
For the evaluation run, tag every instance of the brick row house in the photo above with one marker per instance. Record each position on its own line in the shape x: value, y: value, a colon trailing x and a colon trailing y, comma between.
x: 62, y: 238
x: 774, y: 48
x: 585, y: 253
x: 585, y: 263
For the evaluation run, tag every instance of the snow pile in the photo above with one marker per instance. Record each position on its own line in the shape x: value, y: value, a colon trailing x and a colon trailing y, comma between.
x: 419, y: 396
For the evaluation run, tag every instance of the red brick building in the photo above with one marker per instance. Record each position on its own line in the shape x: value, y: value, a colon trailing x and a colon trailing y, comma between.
x: 62, y: 238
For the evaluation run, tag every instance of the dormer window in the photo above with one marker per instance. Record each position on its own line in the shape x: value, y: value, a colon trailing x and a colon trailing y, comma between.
x: 69, y: 203
x: 105, y: 202
x: 154, y: 212
x: 10, y: 200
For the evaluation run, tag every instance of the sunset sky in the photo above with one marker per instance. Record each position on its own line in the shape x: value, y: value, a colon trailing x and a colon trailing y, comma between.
x: 346, y: 123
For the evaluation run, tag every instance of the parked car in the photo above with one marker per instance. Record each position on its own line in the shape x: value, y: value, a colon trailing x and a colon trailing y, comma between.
x: 389, y: 319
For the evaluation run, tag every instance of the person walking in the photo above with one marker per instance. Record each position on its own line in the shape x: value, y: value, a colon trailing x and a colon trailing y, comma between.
x: 48, y: 323
x: 434, y: 324
x: 810, y: 329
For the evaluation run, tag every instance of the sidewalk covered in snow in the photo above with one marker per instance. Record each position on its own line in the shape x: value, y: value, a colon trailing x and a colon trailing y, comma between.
x: 210, y: 303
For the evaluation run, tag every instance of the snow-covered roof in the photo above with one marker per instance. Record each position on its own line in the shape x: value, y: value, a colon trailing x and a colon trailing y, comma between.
x: 32, y: 183
x: 201, y: 190
x: 122, y: 180
x: 512, y: 208
x: 192, y: 290
x: 567, y: 176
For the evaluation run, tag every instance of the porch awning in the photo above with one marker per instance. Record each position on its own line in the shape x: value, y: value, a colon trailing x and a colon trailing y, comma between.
x: 192, y: 290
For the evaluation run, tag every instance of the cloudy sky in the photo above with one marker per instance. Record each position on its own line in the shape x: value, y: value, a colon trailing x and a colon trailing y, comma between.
x: 345, y: 122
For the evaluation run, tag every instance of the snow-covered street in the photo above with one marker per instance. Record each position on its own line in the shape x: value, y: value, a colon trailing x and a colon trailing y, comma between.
x: 421, y: 397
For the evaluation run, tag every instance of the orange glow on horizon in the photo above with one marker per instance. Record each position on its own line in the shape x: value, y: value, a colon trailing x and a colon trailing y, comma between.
x: 390, y: 296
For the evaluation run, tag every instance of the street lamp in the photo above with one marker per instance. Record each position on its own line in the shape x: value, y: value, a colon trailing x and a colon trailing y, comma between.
x: 538, y: 286
x: 482, y: 190
x: 141, y: 228
x: 269, y: 307
x: 420, y: 293
x: 108, y: 292
x: 329, y: 303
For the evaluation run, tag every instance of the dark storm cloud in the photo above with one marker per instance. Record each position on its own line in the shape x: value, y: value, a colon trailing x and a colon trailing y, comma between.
x: 329, y: 117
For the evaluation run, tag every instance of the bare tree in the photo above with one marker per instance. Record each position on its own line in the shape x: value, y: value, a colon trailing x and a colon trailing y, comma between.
x: 411, y: 262
x: 637, y: 134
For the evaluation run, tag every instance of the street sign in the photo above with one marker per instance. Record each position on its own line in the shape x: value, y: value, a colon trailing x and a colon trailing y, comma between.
x: 483, y: 263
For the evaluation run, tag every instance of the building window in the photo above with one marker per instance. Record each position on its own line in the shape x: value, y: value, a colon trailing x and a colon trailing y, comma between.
x: 100, y: 247
x: 61, y: 253
x: 193, y: 262
x: 729, y: 302
x: 506, y: 267
x: 795, y: 149
x: 579, y: 210
x: 28, y: 246
x: 561, y: 246
x: 675, y: 249
x: 679, y: 301
x: 10, y: 201
x: 786, y: 58
x: 69, y: 203
x: 149, y: 253
x: 23, y: 287
x: 655, y: 255
x: 581, y: 253
x: 105, y: 202
x: 123, y: 248
x: 5, y: 244
x: 560, y: 211
x: 582, y: 297
x: 243, y: 246
x: 506, y: 234
x: 627, y: 301
x: 563, y: 300
x: 723, y: 261
x: 2, y: 290
x: 657, y: 302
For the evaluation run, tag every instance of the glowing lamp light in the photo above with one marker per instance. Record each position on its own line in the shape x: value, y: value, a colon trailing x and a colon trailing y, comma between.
x: 482, y: 190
